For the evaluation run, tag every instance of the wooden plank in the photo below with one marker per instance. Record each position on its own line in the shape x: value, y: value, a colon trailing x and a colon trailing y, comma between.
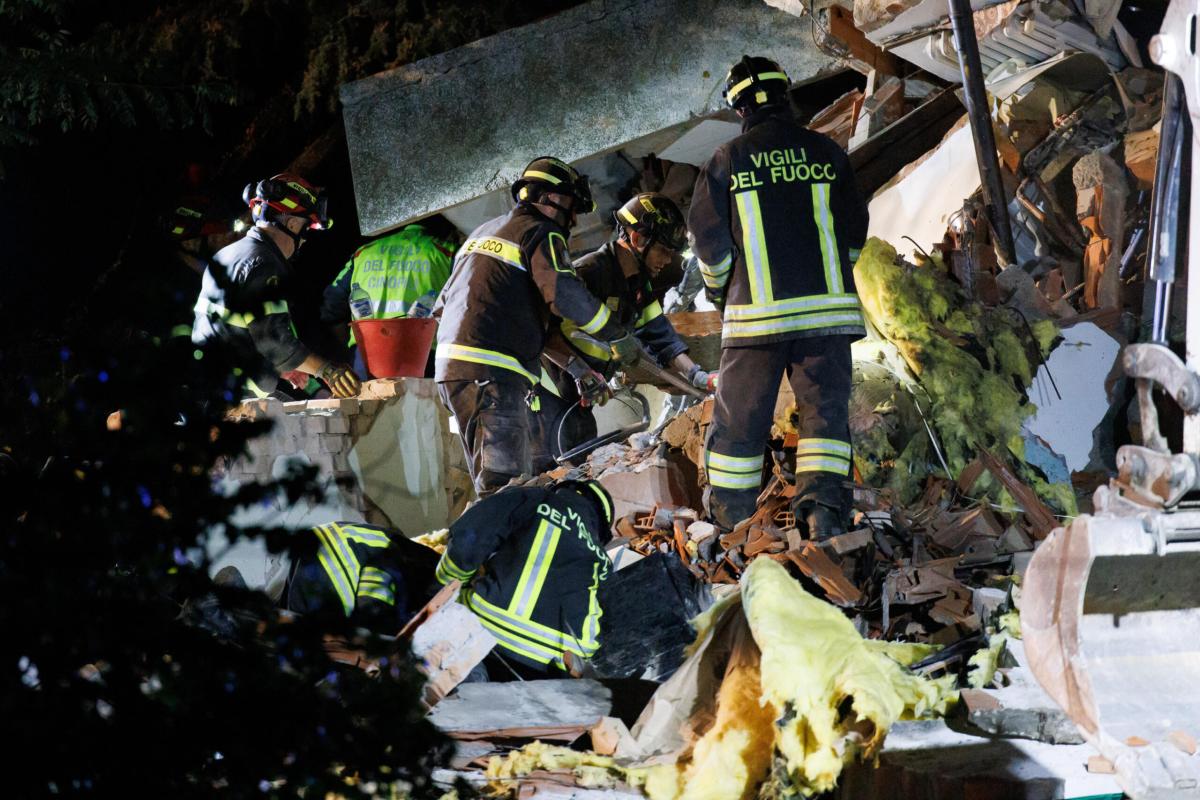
x: 1039, y: 517
x: 841, y: 26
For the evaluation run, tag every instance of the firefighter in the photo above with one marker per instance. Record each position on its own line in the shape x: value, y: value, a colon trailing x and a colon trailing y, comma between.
x: 244, y: 289
x: 508, y: 278
x: 630, y: 274
x: 398, y: 275
x: 374, y: 576
x: 778, y: 223
x: 532, y: 559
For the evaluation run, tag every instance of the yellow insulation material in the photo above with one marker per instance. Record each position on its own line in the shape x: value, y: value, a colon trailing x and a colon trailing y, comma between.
x: 589, y: 769
x: 824, y: 696
x: 803, y: 694
x: 435, y: 540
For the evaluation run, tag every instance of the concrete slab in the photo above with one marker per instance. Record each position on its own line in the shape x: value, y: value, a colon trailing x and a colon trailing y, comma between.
x: 446, y: 129
x: 929, y: 761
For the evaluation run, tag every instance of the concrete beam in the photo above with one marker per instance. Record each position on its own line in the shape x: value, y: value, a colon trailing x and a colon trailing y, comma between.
x: 449, y: 128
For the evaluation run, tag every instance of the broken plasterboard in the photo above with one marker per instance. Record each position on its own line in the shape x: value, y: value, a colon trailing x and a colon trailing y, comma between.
x: 1080, y: 366
x: 920, y: 204
x: 697, y: 145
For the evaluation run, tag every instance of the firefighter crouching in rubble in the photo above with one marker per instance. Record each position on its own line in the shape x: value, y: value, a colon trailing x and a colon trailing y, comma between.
x: 510, y: 275
x: 628, y: 274
x: 373, y: 575
x: 531, y: 560
x: 778, y: 223
x: 243, y: 294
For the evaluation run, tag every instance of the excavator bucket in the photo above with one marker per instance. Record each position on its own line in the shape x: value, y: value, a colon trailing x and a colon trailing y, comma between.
x: 1110, y: 616
x: 1110, y: 607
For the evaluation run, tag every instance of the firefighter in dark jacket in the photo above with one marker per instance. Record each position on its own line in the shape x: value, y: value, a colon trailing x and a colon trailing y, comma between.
x: 243, y: 294
x: 630, y: 274
x: 510, y: 276
x: 374, y: 576
x: 531, y: 560
x: 777, y: 223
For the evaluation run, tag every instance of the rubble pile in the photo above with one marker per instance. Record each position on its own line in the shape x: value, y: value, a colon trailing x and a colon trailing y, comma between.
x: 813, y: 649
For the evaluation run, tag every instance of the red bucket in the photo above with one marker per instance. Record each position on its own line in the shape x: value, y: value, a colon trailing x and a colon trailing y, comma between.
x: 395, y: 348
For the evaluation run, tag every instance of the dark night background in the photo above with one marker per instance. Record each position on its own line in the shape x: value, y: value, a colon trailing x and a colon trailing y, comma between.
x: 109, y: 115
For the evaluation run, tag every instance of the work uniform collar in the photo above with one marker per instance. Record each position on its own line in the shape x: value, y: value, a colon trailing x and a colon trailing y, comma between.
x: 259, y: 235
x: 765, y: 113
x: 530, y: 208
x: 627, y: 261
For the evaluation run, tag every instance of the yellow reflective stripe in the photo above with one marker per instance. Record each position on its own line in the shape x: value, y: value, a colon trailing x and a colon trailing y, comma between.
x: 763, y: 76
x: 585, y: 343
x: 649, y: 313
x: 477, y: 355
x: 733, y: 472
x: 795, y: 305
x: 337, y: 565
x: 603, y: 498
x: 597, y: 322
x: 275, y: 307
x: 834, y: 447
x: 448, y: 571
x: 624, y: 213
x: 547, y: 383
x: 380, y: 593
x: 521, y: 646
x: 495, y: 247
x: 546, y: 176
x: 754, y: 246
x: 733, y: 463
x: 716, y: 275
x: 733, y: 480
x: 290, y: 203
x: 535, y: 633
x: 375, y: 575
x: 823, y: 463
x: 537, y: 565
x: 733, y: 329
x: 208, y: 307
x: 829, y: 249
x: 366, y: 536
x: 568, y: 267
x: 591, y: 624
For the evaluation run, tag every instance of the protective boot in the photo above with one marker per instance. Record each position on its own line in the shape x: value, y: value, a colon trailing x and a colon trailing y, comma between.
x: 823, y: 521
x: 727, y: 508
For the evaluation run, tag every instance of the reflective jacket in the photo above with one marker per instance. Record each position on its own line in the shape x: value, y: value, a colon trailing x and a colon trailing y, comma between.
x: 778, y: 223
x: 634, y: 302
x: 394, y: 271
x: 532, y: 561
x: 509, y: 277
x: 363, y: 568
x: 243, y: 302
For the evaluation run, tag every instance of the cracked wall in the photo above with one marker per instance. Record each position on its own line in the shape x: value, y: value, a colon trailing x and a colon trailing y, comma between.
x: 452, y: 127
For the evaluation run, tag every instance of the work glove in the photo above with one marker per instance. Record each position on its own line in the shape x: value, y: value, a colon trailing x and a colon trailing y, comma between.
x: 296, y: 378
x: 701, y: 379
x: 625, y: 349
x: 340, y: 379
x: 593, y: 389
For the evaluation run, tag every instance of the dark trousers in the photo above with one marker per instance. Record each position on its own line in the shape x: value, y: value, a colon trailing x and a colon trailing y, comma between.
x: 819, y: 370
x: 559, y: 425
x: 493, y: 423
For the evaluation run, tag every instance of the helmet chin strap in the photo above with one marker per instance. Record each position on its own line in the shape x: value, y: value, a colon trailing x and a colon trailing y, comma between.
x: 273, y: 221
x: 568, y: 212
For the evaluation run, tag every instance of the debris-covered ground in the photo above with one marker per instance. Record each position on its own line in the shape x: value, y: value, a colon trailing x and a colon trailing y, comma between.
x: 962, y: 465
